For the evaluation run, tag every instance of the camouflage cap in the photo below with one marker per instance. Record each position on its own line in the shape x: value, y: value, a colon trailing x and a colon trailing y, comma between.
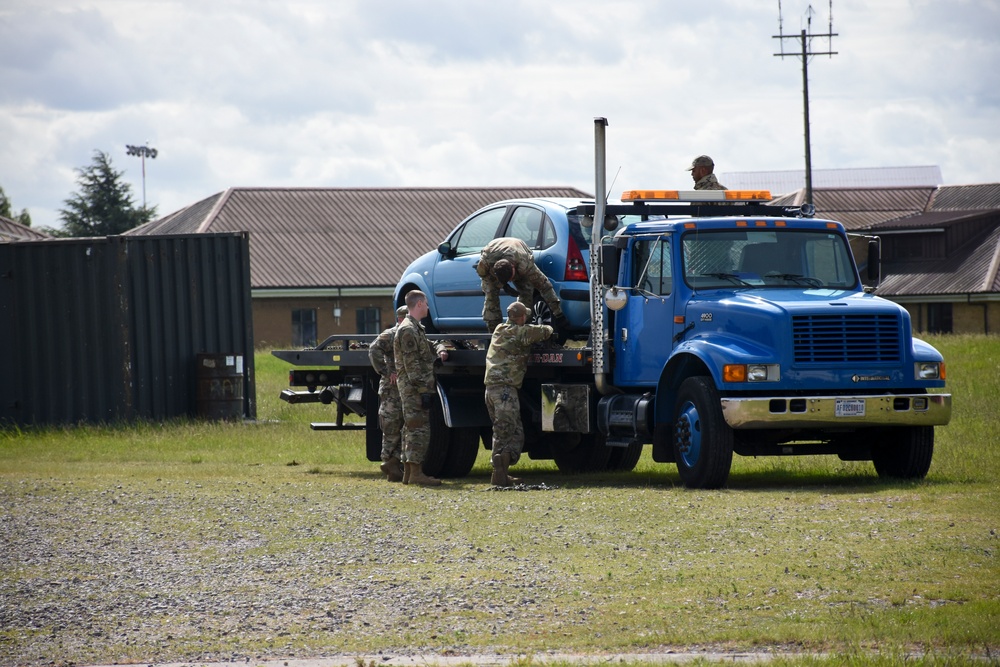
x: 701, y: 161
x: 401, y: 312
x: 518, y: 308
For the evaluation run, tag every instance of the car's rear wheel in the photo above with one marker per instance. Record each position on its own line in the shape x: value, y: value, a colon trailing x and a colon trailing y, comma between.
x: 543, y: 314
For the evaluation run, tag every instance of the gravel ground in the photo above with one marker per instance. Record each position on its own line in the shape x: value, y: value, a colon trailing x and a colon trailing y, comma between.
x: 173, y: 571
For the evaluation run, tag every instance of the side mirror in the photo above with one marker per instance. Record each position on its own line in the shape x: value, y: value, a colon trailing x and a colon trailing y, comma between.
x: 874, y: 272
x: 609, y: 264
x: 445, y: 249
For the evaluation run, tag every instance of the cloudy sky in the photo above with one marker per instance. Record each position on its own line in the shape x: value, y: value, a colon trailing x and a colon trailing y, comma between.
x: 482, y: 93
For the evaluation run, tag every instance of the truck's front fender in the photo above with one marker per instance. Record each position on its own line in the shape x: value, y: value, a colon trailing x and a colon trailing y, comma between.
x: 701, y: 356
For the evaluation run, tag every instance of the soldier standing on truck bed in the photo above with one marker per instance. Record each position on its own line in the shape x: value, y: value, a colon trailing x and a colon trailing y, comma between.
x: 701, y: 171
x: 415, y: 356
x: 390, y: 412
x: 506, y: 259
x: 506, y: 364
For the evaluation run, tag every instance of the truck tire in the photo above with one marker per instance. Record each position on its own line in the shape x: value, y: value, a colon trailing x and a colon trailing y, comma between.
x: 590, y: 455
x: 463, y: 449
x: 437, y: 453
x: 624, y: 459
x: 905, y: 453
x: 703, y: 441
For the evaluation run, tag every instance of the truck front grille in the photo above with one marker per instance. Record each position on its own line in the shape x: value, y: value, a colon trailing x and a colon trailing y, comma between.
x: 846, y: 338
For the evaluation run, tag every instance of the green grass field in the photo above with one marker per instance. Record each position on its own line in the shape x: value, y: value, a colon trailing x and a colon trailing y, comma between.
x: 806, y: 555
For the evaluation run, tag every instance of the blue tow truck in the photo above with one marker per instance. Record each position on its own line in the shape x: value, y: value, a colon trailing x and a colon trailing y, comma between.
x: 719, y: 325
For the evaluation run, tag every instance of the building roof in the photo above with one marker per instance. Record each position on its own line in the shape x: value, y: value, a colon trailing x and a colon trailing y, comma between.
x: 12, y: 230
x: 337, y: 237
x: 860, y: 208
x: 971, y: 269
x: 785, y: 181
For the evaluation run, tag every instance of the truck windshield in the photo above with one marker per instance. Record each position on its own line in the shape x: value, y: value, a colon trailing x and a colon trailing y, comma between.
x: 811, y: 259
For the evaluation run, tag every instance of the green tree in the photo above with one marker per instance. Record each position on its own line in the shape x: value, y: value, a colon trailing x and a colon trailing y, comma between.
x: 104, y: 206
x: 7, y: 211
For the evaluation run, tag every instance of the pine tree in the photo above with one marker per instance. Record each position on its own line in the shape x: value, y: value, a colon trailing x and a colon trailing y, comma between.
x: 7, y: 211
x: 104, y: 206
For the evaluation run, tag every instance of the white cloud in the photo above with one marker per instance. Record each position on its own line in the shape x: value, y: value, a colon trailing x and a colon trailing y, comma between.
x: 469, y: 92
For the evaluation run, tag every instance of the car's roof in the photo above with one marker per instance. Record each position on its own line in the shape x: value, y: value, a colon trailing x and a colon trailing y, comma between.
x: 565, y: 203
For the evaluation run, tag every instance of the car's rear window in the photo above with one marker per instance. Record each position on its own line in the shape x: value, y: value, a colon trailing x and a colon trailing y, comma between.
x: 583, y: 235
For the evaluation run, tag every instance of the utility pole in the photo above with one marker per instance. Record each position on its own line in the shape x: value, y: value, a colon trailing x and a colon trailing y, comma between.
x: 804, y: 36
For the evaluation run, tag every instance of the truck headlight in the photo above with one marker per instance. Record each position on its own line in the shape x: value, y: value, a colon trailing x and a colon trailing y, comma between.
x: 929, y: 370
x: 751, y: 372
x: 763, y: 373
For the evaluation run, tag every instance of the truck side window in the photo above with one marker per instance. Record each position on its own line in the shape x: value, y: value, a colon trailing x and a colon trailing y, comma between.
x: 651, y: 269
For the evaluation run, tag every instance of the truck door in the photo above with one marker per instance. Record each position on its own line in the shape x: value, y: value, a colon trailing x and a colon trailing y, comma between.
x: 644, y: 327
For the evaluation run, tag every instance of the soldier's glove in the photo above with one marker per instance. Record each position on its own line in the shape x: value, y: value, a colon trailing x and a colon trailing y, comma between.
x: 509, y: 290
x: 561, y: 325
x: 426, y: 401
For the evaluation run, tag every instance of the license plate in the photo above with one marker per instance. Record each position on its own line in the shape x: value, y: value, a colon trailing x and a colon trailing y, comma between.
x: 853, y: 407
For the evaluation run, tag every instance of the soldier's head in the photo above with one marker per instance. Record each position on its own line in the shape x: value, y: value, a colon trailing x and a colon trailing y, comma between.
x: 400, y: 314
x: 503, y: 270
x: 701, y: 167
x: 518, y: 312
x: 416, y: 304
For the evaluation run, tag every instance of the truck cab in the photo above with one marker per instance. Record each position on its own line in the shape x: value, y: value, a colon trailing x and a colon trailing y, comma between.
x: 756, y: 335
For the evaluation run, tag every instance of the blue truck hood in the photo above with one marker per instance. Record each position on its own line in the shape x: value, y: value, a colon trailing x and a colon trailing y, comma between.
x: 765, y: 315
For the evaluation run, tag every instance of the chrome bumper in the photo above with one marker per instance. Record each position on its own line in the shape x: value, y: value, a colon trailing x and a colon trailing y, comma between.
x: 837, y: 411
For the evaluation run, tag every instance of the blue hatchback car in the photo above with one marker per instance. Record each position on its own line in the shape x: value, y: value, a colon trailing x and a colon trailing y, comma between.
x: 550, y: 227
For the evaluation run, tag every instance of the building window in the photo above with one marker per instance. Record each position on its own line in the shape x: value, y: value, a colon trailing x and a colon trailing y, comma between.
x: 304, y: 327
x: 369, y: 320
x: 939, y: 318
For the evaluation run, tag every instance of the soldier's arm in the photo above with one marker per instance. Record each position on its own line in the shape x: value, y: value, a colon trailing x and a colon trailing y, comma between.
x: 491, y: 302
x: 541, y: 283
x: 376, y: 354
x: 535, y: 333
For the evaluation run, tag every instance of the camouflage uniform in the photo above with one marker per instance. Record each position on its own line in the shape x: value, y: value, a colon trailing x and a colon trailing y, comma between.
x: 414, y: 356
x: 527, y: 278
x: 506, y: 364
x: 709, y: 182
x: 390, y: 410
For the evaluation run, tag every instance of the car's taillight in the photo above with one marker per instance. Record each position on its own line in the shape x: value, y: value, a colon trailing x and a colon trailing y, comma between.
x: 575, y: 268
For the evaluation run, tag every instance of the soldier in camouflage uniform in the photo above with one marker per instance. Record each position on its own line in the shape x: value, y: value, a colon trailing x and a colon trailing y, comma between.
x: 415, y: 358
x: 701, y: 171
x: 506, y: 364
x: 390, y: 412
x: 506, y: 259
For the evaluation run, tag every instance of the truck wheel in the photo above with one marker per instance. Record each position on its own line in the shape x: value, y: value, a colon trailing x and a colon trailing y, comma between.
x: 462, y: 452
x: 590, y: 455
x: 624, y: 458
x: 905, y: 453
x: 437, y: 453
x: 703, y: 442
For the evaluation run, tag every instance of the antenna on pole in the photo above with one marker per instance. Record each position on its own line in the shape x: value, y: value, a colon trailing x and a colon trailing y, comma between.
x: 805, y: 38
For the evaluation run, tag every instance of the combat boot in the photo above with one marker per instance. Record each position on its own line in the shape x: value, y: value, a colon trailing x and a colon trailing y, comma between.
x: 501, y: 464
x: 417, y: 476
x: 393, y: 470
